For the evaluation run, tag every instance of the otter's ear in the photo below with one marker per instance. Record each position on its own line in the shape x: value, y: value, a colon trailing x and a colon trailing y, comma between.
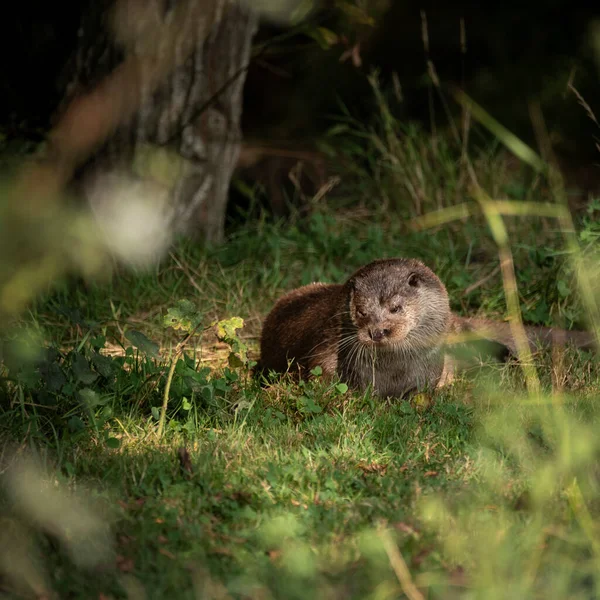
x: 414, y: 280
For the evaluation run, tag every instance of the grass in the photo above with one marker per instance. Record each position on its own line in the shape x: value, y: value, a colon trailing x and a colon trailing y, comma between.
x: 304, y: 490
x: 294, y: 492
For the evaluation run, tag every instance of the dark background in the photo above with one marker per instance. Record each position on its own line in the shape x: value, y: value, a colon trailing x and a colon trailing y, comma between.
x: 516, y: 52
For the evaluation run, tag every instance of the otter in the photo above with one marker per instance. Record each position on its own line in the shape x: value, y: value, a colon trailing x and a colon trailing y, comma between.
x: 387, y: 327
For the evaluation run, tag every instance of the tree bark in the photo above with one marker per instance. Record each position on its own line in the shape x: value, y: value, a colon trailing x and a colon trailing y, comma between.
x: 169, y: 76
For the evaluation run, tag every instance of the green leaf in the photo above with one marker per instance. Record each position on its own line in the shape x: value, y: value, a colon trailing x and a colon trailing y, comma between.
x: 29, y: 378
x: 184, y: 315
x: 75, y: 424
x: 107, y: 412
x: 187, y: 385
x: 53, y: 376
x: 98, y: 342
x: 90, y: 398
x: 186, y: 404
x: 69, y: 389
x: 406, y: 408
x: 155, y: 413
x: 226, y: 329
x: 112, y: 442
x: 82, y: 371
x: 142, y: 343
x: 103, y: 364
x: 317, y: 371
x: 308, y: 405
x: 341, y: 388
x: 221, y: 385
x: 230, y: 375
x: 563, y: 288
x: 174, y: 425
x: 234, y: 361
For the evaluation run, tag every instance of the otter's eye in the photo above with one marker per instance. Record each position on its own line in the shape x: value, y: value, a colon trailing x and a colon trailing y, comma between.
x: 413, y: 280
x: 395, y: 309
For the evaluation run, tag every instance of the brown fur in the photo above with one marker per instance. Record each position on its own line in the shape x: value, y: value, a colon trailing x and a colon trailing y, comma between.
x: 387, y: 327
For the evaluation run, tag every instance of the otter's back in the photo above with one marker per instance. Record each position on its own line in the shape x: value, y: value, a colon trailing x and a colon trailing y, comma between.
x: 304, y: 326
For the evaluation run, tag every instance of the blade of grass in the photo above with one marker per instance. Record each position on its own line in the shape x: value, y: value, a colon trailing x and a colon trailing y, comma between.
x: 511, y: 141
x: 500, y: 234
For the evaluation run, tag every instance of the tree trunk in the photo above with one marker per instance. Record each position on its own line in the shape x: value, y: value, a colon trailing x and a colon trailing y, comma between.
x: 193, y: 113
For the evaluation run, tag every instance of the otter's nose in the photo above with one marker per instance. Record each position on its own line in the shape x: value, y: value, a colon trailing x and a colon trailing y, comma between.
x: 378, y: 334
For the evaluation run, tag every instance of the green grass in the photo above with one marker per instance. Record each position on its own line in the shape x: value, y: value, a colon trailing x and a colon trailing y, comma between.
x: 273, y: 504
x: 305, y: 490
x: 293, y: 490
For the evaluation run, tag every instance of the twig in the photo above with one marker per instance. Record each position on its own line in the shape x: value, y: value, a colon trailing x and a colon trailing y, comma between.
x: 399, y: 566
x: 178, y: 352
x: 163, y: 410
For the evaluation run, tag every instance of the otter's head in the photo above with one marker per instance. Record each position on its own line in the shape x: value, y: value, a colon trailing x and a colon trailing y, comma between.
x: 398, y: 304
